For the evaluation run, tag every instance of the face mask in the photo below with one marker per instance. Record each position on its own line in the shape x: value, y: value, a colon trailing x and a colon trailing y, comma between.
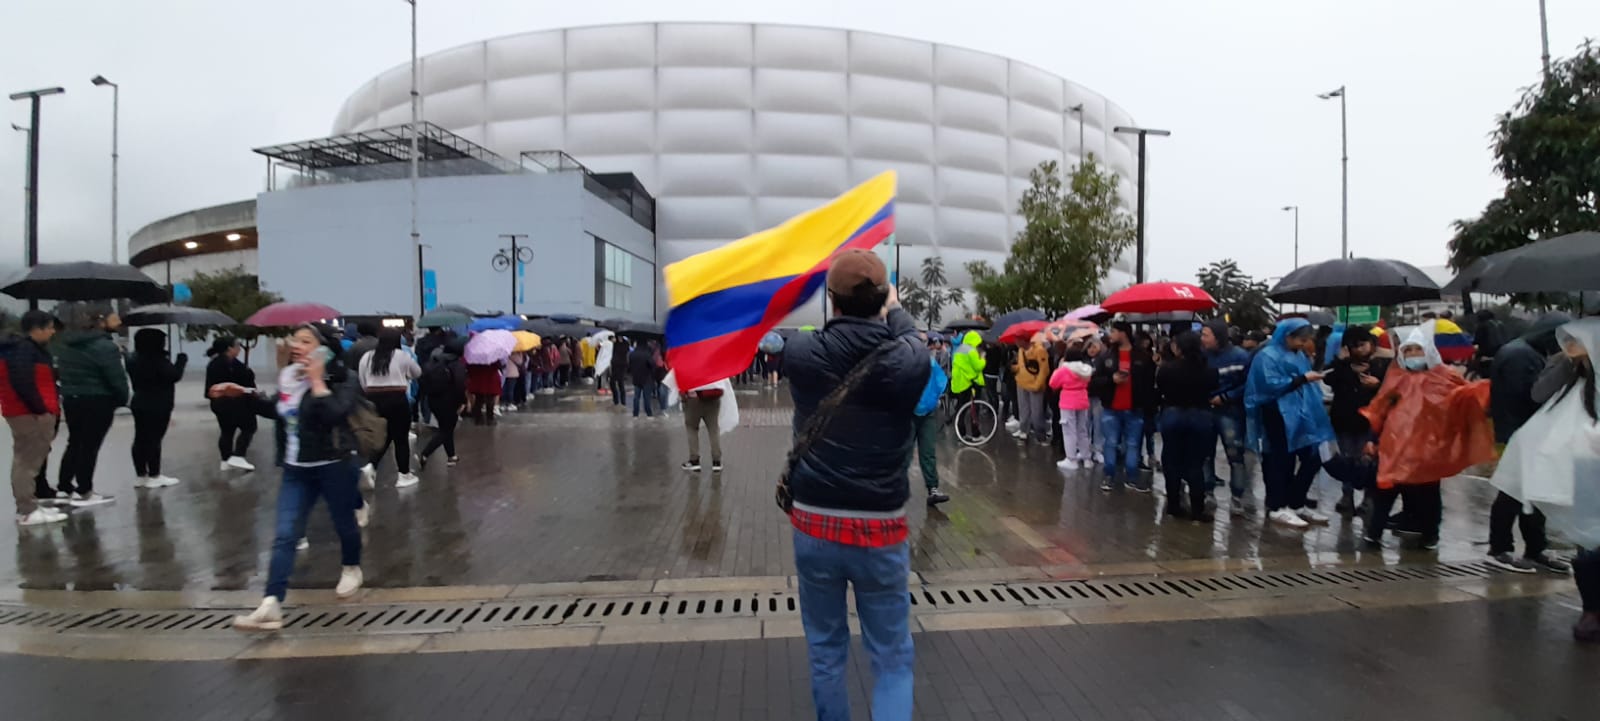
x: 1415, y: 364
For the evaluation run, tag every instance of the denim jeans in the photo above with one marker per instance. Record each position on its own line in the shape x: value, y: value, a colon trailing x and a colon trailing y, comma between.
x: 884, y: 607
x: 642, y: 393
x: 1229, y: 421
x: 1122, y: 432
x: 1187, y: 437
x: 298, y: 493
x: 927, y: 441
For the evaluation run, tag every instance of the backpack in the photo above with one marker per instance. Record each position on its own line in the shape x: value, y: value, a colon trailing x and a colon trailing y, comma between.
x: 369, y: 428
x: 436, y: 376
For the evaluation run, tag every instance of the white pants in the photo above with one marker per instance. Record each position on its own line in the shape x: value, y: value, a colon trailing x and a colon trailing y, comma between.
x: 1076, y: 438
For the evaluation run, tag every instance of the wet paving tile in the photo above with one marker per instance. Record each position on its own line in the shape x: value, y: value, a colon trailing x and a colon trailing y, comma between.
x: 575, y: 490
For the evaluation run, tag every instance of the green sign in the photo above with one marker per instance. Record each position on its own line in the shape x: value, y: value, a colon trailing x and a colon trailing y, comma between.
x: 1360, y: 314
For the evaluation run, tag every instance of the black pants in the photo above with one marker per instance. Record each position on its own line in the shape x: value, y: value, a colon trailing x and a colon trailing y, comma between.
x: 88, y: 420
x: 1424, y: 505
x: 236, y: 421
x: 149, y: 428
x: 396, y: 412
x: 483, y: 407
x: 1586, y: 571
x: 446, y: 435
x: 1287, y: 484
x: 41, y: 480
x: 1507, y: 512
x: 619, y: 389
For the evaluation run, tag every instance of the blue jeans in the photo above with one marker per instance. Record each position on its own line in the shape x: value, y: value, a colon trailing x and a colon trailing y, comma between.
x: 1188, y: 436
x: 335, y: 482
x: 884, y: 607
x: 646, y: 394
x: 1230, y: 429
x: 1122, y: 432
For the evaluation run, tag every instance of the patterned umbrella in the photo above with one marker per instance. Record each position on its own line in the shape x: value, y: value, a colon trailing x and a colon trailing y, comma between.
x: 490, y: 347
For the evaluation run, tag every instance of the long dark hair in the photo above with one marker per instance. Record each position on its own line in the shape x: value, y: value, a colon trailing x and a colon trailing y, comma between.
x: 220, y: 345
x: 1584, y: 375
x: 1188, y: 343
x: 388, y: 343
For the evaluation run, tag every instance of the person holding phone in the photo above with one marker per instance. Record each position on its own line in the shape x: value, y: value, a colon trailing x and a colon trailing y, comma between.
x: 1286, y: 421
x: 231, y: 403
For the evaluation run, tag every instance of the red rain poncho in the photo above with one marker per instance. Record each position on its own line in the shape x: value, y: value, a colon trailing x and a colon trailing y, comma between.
x: 1431, y: 424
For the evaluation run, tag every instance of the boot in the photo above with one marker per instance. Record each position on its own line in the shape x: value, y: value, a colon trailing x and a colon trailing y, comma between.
x: 1175, y: 507
x: 1347, y: 501
x: 1197, y: 508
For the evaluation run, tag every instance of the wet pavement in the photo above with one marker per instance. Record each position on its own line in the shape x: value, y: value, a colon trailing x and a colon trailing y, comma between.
x: 574, y: 489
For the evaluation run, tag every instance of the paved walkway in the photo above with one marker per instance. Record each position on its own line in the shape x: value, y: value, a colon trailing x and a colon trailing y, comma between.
x: 575, y: 490
x: 1490, y: 661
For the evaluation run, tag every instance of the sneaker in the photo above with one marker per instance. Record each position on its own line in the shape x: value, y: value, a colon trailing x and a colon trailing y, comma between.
x: 1142, y: 489
x: 304, y: 544
x: 451, y: 461
x: 64, y: 499
x: 40, y: 516
x: 690, y: 466
x: 1236, y: 507
x: 936, y: 497
x: 165, y: 480
x: 369, y: 476
x: 349, y: 582
x: 84, y: 500
x: 1201, y: 515
x: 1107, y: 485
x: 1287, y: 517
x: 1512, y: 563
x: 406, y: 480
x: 412, y: 438
x: 1068, y: 465
x: 267, y: 617
x: 225, y: 466
x: 1371, y: 543
x: 1552, y: 563
x: 240, y: 463
x: 716, y: 466
x: 363, y: 515
x: 1429, y: 544
x: 1019, y: 435
x: 1312, y: 517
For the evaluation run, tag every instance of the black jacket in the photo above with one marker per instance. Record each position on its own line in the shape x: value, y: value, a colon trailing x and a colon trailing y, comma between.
x: 1186, y: 385
x: 1142, y: 369
x: 642, y: 366
x: 324, y: 430
x: 223, y: 369
x: 452, y: 393
x: 1349, y: 396
x: 859, y: 461
x: 152, y: 375
x: 1515, y: 369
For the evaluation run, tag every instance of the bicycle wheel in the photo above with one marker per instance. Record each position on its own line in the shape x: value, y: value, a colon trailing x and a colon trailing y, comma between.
x: 976, y: 422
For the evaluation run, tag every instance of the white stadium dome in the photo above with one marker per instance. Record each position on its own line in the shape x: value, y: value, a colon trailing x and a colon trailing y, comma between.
x: 736, y: 127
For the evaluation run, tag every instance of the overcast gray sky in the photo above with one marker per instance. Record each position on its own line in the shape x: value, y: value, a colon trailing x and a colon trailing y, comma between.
x: 1236, y: 81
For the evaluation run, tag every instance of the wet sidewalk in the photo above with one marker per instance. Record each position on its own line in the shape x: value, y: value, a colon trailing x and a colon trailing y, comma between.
x: 577, y: 490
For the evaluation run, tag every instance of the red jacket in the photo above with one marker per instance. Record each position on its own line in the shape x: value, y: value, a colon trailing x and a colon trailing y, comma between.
x: 27, y: 380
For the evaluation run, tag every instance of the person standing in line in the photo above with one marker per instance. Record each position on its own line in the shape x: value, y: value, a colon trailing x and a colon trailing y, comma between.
x: 513, y: 379
x: 153, y: 377
x: 317, y: 451
x: 385, y: 374
x: 93, y: 386
x: 566, y: 367
x: 444, y: 385
x: 1354, y: 377
x: 1515, y: 371
x: 483, y: 388
x: 30, y: 405
x: 927, y: 425
x: 617, y: 376
x: 1071, y: 381
x: 1187, y: 384
x: 1093, y: 348
x: 703, y: 405
x: 235, y: 409
x: 1032, y: 373
x: 642, y: 371
x: 1286, y: 421
x: 1232, y: 365
x: 1125, y: 382
x: 1147, y: 344
x: 602, y: 363
x: 848, y: 481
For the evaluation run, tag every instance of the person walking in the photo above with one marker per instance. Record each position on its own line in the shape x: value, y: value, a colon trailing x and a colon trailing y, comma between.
x: 617, y: 375
x: 93, y: 386
x: 317, y: 451
x: 235, y: 412
x: 1032, y: 373
x: 1354, y: 378
x: 1515, y: 370
x: 642, y: 371
x: 426, y: 345
x: 856, y: 385
x: 1232, y: 365
x: 1124, y: 379
x: 703, y: 405
x: 1187, y: 384
x: 1286, y: 421
x: 31, y: 407
x: 1071, y: 382
x: 927, y: 423
x: 385, y: 374
x: 362, y: 342
x: 153, y: 377
x: 444, y: 386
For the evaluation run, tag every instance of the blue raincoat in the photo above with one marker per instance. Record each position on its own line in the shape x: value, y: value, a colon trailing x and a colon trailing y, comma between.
x: 1272, y: 380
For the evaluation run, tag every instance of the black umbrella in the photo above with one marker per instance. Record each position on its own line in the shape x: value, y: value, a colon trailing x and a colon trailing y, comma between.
x: 1355, y: 281
x: 1010, y: 319
x: 652, y: 331
x: 540, y: 326
x: 1566, y: 264
x: 455, y: 308
x: 614, y: 323
x: 84, y: 280
x: 966, y: 324
x: 176, y: 315
x: 547, y: 328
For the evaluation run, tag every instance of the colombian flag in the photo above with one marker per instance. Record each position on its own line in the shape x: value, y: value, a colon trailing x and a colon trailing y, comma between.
x: 1454, y: 344
x: 724, y: 300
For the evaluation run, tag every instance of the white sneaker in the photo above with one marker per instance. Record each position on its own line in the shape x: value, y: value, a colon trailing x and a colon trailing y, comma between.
x: 240, y: 463
x: 349, y: 582
x: 84, y: 500
x: 1287, y: 517
x: 166, y: 480
x: 156, y: 482
x: 41, y: 516
x: 412, y: 437
x: 267, y: 617
x: 363, y: 515
x: 1068, y: 465
x: 369, y: 476
x: 1311, y: 516
x: 226, y: 466
x: 406, y: 480
x: 303, y: 544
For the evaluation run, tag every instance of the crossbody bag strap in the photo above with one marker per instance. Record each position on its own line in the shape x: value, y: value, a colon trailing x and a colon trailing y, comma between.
x: 823, y: 414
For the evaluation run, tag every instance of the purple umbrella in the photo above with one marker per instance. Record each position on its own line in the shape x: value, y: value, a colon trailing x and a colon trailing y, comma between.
x: 1085, y: 313
x: 490, y: 347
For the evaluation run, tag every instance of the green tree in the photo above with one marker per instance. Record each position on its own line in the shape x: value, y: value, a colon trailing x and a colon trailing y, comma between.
x: 925, y: 299
x: 236, y: 294
x: 1242, y: 300
x: 1547, y: 147
x: 1076, y: 228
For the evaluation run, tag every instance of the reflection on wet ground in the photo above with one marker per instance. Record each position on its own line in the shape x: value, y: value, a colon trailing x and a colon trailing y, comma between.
x: 575, y: 489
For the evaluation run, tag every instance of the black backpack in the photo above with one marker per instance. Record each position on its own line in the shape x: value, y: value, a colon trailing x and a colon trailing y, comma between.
x: 436, y: 376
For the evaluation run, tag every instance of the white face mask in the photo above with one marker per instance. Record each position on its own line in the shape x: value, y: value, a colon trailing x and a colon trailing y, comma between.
x: 1415, y: 364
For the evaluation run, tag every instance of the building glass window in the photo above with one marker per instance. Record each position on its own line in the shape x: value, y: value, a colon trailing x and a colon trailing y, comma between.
x: 615, y: 290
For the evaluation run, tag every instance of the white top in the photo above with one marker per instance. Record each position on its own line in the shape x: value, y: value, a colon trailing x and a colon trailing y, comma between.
x: 402, y: 370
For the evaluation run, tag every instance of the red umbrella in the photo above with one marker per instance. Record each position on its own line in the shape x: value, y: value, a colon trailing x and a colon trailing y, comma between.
x: 290, y: 314
x: 1159, y: 298
x: 1022, y: 331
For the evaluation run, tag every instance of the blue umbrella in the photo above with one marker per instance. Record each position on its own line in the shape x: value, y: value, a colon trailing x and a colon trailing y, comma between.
x: 504, y: 322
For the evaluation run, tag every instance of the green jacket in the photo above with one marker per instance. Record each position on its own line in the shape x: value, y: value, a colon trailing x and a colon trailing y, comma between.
x: 89, y: 364
x: 966, y: 366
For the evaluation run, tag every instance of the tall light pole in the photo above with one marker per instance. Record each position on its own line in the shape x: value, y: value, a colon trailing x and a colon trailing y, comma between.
x: 1138, y: 275
x: 1544, y: 39
x: 416, y: 127
x: 1344, y: 171
x: 32, y: 250
x: 27, y: 187
x: 1296, y: 210
x: 116, y: 93
x: 1078, y: 109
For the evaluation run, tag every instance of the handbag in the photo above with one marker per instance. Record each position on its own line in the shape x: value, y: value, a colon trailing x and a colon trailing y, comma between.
x: 818, y: 422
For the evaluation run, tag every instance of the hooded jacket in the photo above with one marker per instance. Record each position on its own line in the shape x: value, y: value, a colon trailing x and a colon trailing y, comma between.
x: 1515, y: 369
x: 1430, y: 423
x: 446, y: 363
x: 89, y: 365
x: 27, y: 379
x: 966, y: 366
x: 1032, y: 368
x: 1232, y: 365
x: 1277, y: 383
x: 153, y: 376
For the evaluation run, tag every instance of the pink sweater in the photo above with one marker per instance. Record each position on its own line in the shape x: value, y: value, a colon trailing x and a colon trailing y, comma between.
x: 1074, y: 387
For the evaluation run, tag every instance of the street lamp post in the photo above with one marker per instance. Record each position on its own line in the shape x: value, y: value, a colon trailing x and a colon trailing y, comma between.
x: 1296, y: 210
x: 32, y: 250
x: 27, y: 186
x: 1344, y: 171
x: 1082, y: 152
x: 1544, y: 40
x: 512, y: 259
x: 1139, y: 250
x: 416, y: 122
x: 116, y: 92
